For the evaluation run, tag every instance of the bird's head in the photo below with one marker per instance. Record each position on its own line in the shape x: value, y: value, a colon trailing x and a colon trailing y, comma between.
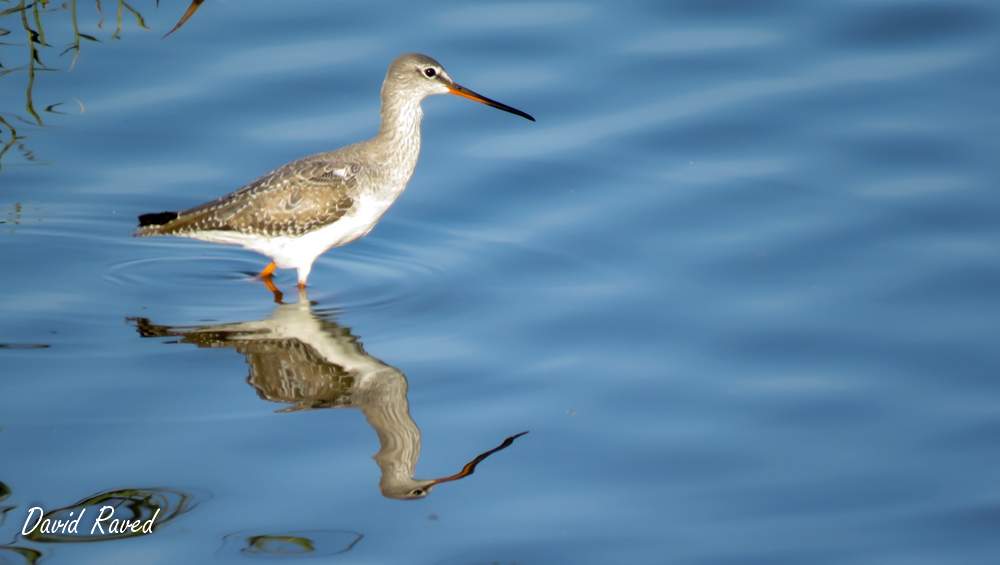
x: 421, y: 76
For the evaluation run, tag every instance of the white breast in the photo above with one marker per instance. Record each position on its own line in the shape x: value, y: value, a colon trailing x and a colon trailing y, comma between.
x: 298, y: 252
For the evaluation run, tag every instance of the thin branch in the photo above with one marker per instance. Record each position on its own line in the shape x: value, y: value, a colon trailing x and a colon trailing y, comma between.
x: 29, y: 103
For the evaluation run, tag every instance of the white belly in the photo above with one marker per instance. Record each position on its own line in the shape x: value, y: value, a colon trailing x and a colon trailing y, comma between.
x: 300, y: 252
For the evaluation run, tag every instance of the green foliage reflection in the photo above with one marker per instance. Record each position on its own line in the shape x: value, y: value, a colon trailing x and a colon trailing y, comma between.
x: 26, y: 51
x: 130, y: 504
x: 312, y: 543
x: 19, y: 555
x: 279, y: 545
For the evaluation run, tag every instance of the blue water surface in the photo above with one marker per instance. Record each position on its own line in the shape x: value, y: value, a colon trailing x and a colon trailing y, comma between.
x: 740, y: 281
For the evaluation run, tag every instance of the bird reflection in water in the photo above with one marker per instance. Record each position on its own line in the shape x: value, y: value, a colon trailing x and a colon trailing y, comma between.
x: 302, y: 357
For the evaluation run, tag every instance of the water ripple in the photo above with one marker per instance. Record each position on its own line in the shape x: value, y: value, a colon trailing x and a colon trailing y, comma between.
x: 589, y: 131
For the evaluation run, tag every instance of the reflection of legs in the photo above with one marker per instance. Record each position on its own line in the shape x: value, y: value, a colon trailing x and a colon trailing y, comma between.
x: 265, y: 276
x: 270, y: 286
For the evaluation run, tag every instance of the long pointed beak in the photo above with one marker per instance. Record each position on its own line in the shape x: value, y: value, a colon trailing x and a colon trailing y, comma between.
x: 471, y: 467
x: 466, y: 93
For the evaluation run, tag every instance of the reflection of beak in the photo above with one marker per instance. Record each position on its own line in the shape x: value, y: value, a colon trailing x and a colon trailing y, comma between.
x: 468, y: 469
x: 466, y: 93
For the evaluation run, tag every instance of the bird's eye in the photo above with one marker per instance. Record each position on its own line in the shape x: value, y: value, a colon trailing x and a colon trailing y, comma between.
x: 418, y: 491
x: 430, y: 72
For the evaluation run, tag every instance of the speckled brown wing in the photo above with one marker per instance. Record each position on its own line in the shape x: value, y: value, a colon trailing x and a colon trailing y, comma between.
x: 290, y: 201
x: 281, y: 370
x: 292, y: 372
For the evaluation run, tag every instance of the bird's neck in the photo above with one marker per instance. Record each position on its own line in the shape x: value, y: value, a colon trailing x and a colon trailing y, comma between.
x: 384, y: 404
x: 399, y: 135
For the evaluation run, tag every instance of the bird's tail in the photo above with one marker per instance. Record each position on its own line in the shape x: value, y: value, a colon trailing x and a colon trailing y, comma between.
x: 150, y: 224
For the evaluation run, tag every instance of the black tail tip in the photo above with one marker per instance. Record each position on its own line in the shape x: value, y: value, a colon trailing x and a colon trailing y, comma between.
x: 157, y: 219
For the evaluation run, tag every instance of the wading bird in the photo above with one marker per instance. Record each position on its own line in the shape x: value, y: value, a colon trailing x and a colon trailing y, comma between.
x: 297, y: 212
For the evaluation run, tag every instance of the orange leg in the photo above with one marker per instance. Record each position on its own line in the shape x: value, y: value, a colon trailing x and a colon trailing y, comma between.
x: 267, y: 270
